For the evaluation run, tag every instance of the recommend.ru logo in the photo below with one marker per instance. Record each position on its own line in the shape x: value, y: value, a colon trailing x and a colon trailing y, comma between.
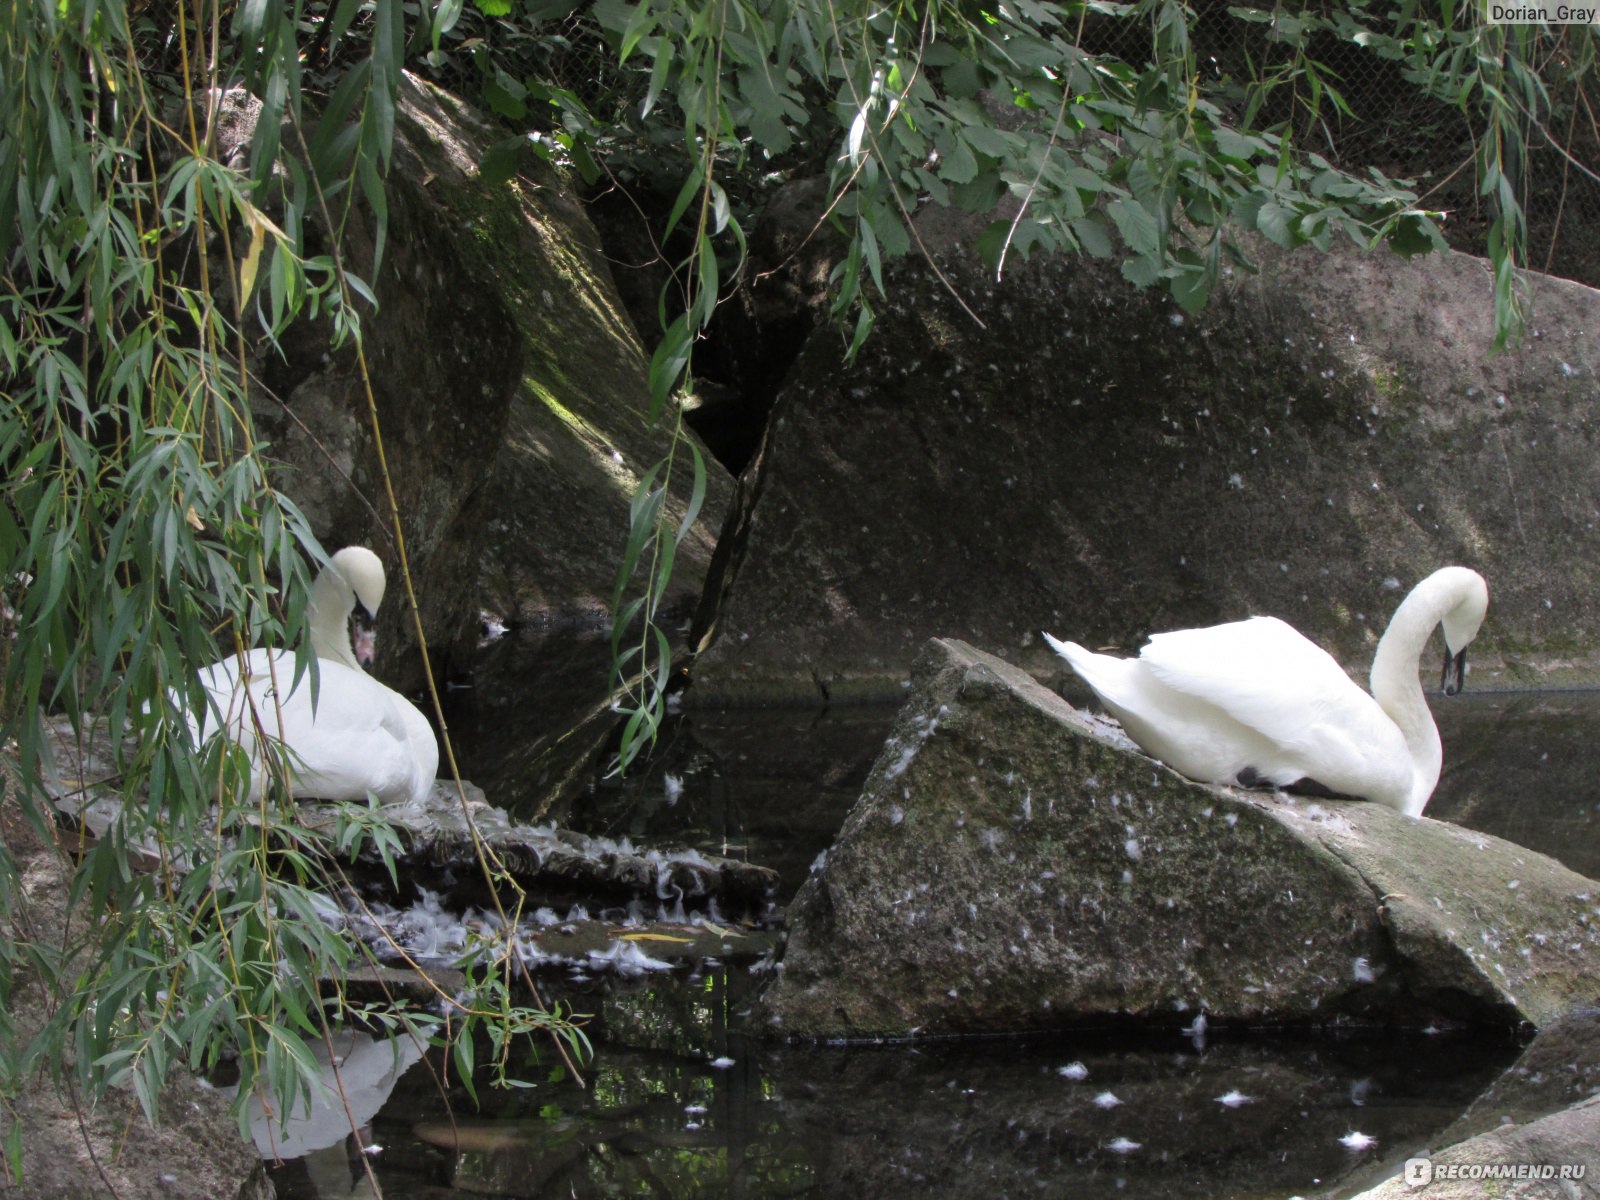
x: 1419, y: 1172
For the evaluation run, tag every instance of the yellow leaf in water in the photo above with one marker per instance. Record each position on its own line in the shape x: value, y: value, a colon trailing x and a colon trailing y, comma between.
x: 653, y: 937
x: 720, y: 931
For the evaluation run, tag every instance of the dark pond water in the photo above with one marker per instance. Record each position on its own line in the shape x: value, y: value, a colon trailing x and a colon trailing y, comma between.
x: 678, y: 1102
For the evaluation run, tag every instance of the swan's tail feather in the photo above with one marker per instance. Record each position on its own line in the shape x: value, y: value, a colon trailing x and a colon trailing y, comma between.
x: 1067, y: 650
x: 1084, y: 662
x: 1115, y: 680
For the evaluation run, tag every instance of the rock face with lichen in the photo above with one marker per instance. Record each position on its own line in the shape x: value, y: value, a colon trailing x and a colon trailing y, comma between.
x: 1013, y: 864
x: 1092, y: 460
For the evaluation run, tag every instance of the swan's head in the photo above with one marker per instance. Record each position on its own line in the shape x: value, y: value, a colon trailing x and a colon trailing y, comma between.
x: 346, y: 599
x: 363, y: 572
x: 1461, y: 621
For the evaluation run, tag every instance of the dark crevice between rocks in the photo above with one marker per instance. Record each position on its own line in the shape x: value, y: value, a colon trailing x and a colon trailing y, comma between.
x: 761, y: 324
x: 742, y: 363
x: 729, y: 553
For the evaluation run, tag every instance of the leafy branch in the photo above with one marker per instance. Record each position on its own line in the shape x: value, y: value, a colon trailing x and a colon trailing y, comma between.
x: 142, y: 531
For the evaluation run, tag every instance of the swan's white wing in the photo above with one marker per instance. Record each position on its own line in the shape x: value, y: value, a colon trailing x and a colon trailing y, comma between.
x: 360, y: 736
x: 1184, y: 730
x: 1262, y: 663
x: 423, y: 749
x: 355, y: 741
x: 1311, y: 718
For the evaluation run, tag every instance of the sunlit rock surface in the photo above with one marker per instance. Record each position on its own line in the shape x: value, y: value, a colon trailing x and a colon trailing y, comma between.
x: 1014, y: 864
x: 1092, y: 460
x: 510, y: 391
x: 1554, y: 1157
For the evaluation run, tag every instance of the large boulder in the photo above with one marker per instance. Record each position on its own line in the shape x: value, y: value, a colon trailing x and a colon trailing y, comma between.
x: 1095, y: 461
x: 1014, y: 864
x: 510, y: 391
x: 444, y: 360
x: 1520, y: 765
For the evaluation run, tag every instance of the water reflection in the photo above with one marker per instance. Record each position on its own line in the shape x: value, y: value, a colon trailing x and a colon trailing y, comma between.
x: 680, y: 1103
x: 327, y: 1132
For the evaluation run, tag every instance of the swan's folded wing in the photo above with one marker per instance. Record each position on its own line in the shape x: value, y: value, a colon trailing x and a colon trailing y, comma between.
x: 345, y: 733
x: 1267, y: 676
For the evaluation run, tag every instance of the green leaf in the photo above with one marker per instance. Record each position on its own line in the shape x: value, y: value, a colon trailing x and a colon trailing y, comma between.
x: 1415, y: 233
x: 445, y: 16
x: 962, y: 80
x: 957, y: 164
x: 660, y: 72
x: 1136, y: 225
x: 1141, y: 272
x: 981, y: 194
x: 1275, y: 223
x: 503, y: 160
x: 688, y: 192
x: 668, y: 362
x: 767, y: 111
x: 641, y: 20
x: 697, y: 493
x: 1093, y: 236
x: 989, y: 141
x: 1191, y: 289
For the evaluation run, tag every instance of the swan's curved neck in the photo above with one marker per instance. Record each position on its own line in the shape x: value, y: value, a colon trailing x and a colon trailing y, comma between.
x: 1395, y: 685
x: 332, y: 600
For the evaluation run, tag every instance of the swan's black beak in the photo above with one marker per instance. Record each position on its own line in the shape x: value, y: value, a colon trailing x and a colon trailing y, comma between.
x: 363, y: 634
x: 1454, y: 676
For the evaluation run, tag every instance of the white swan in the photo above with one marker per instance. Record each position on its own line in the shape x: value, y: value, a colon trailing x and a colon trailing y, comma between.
x: 357, y: 736
x: 356, y: 1079
x: 1255, y: 700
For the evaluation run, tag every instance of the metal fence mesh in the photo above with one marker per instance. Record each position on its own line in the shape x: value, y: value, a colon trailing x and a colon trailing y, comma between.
x: 1397, y: 127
